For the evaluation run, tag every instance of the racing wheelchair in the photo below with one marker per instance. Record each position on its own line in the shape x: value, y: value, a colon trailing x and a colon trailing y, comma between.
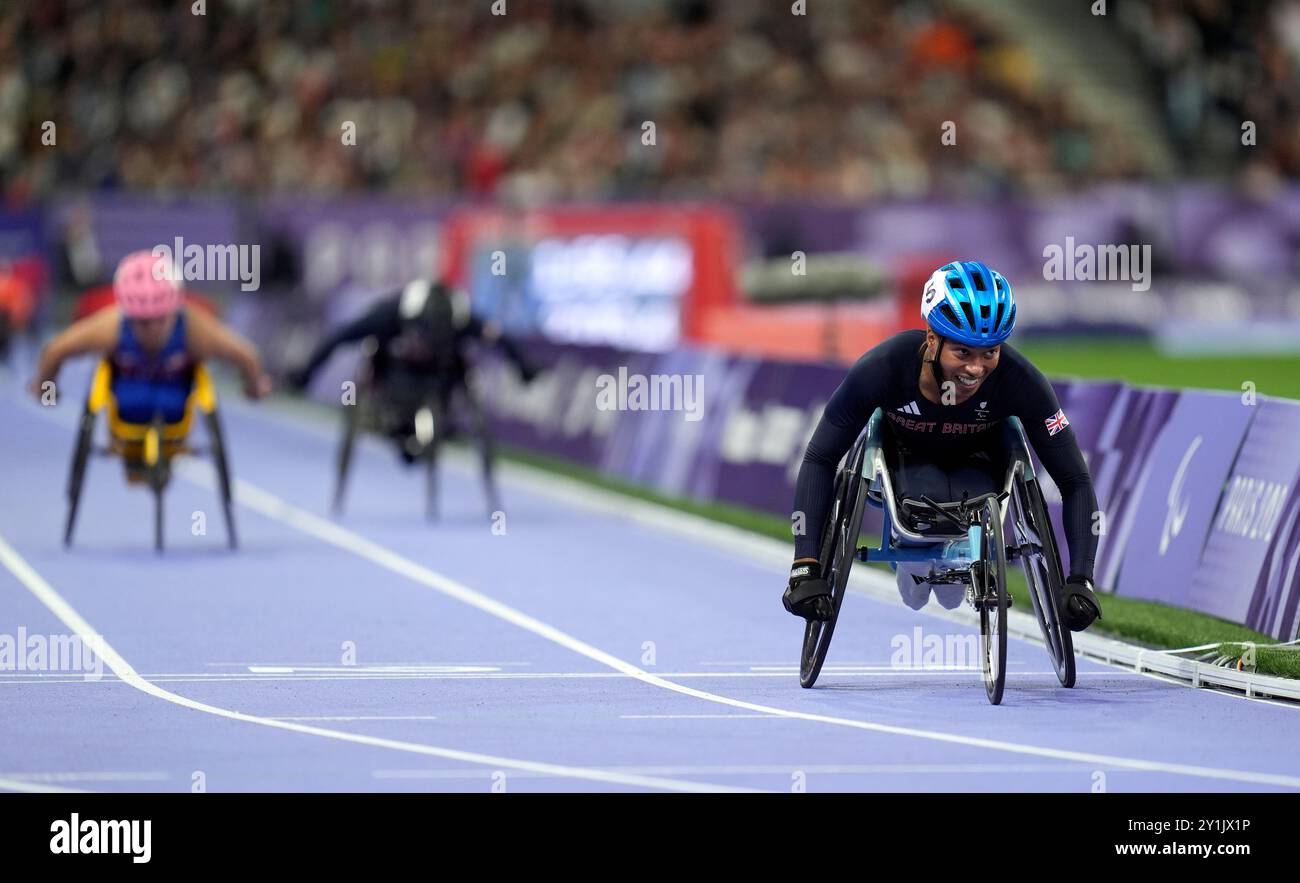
x: 419, y: 415
x: 147, y: 449
x: 962, y: 541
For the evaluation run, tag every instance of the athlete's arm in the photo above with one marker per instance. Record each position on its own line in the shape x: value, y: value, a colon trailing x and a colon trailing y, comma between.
x: 381, y: 321
x: 851, y: 405
x: 491, y: 333
x: 209, y: 339
x: 1037, y: 404
x: 95, y: 333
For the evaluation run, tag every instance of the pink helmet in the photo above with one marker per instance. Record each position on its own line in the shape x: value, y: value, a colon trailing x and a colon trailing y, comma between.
x: 145, y: 286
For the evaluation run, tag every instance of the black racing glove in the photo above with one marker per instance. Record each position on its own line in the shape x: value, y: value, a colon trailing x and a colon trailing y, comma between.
x: 1081, y: 604
x: 807, y: 594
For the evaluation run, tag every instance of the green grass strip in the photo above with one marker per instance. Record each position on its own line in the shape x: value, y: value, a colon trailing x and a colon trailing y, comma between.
x: 1279, y: 660
x: 1141, y: 363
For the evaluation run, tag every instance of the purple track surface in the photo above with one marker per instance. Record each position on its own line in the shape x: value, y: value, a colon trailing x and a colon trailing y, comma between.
x: 460, y: 696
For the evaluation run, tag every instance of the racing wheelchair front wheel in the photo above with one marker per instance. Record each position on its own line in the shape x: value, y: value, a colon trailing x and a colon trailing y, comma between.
x: 989, y: 581
x: 1042, y: 565
x: 839, y: 548
x: 352, y: 419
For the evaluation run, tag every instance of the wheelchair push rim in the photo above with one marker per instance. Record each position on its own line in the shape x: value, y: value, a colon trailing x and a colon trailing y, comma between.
x: 1043, y: 575
x: 989, y: 581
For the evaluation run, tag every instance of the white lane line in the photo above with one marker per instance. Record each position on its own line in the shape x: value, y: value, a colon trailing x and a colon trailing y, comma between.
x: 372, y: 669
x: 697, y: 717
x: 887, y: 769
x: 317, y: 663
x: 36, y: 787
x: 273, y: 507
x: 358, y: 717
x: 46, y: 594
x: 201, y: 677
x: 787, y: 669
x: 87, y: 776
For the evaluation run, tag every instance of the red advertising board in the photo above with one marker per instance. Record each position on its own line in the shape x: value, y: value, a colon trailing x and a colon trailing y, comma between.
x: 638, y: 276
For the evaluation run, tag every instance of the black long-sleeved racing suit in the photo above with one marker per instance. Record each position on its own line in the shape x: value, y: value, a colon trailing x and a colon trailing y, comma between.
x: 413, y: 347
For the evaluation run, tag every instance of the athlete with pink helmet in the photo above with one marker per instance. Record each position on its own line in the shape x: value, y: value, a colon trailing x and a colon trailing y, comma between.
x: 153, y: 341
x: 145, y: 286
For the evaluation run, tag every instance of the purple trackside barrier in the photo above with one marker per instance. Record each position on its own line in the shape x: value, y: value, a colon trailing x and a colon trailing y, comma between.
x: 1178, y: 494
x: 1247, y: 569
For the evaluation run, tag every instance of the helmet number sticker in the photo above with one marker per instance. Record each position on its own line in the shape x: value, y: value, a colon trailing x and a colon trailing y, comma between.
x: 931, y: 295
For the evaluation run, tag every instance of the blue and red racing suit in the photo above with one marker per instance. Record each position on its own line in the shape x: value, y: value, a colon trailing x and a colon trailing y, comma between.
x: 148, y: 383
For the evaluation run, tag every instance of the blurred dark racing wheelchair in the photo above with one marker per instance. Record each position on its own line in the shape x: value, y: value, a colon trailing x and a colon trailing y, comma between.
x: 419, y: 411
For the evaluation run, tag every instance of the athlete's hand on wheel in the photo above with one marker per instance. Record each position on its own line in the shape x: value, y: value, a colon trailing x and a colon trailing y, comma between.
x: 807, y: 594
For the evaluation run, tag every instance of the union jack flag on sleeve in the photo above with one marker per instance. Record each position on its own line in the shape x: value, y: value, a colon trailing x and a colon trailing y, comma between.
x: 1056, y: 422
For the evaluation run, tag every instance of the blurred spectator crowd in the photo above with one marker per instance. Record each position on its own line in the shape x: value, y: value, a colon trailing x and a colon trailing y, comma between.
x: 552, y: 100
x: 1218, y: 64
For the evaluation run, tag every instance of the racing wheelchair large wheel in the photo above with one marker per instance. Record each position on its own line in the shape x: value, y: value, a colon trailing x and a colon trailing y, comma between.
x: 222, y: 464
x: 1042, y: 565
x: 357, y: 418
x: 839, y: 548
x: 487, y: 456
x: 80, y: 459
x: 351, y: 428
x: 989, y: 582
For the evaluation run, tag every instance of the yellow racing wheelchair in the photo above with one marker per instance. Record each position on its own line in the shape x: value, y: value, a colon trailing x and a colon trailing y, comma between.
x: 147, y: 449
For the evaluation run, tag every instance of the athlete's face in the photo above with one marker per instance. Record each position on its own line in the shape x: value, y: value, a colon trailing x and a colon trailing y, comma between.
x: 152, y: 333
x: 966, y: 368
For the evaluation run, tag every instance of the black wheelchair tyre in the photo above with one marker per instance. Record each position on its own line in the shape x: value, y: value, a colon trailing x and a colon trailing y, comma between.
x: 222, y: 464
x: 352, y: 416
x: 77, y: 474
x: 1042, y: 566
x: 839, y: 548
x: 990, y: 576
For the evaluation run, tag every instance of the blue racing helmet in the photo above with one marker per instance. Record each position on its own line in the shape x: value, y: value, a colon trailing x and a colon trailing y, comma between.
x: 969, y: 303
